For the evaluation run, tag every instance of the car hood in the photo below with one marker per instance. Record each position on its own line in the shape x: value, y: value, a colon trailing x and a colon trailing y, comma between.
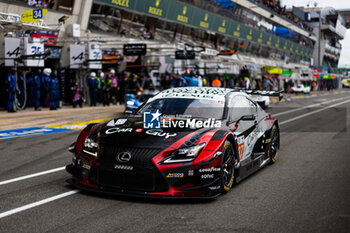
x: 129, y: 132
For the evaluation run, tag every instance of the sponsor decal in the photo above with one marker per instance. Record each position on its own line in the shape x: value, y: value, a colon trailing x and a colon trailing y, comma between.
x: 214, y: 187
x: 123, y: 157
x: 210, y: 169
x: 191, y: 123
x: 118, y: 130
x: 124, y: 3
x: 123, y: 167
x: 86, y: 166
x: 207, y: 176
x: 138, y: 130
x: 190, y: 172
x: 151, y: 120
x: 120, y: 122
x: 117, y: 122
x: 202, y: 93
x: 175, y: 175
x: 241, y: 150
x: 160, y: 133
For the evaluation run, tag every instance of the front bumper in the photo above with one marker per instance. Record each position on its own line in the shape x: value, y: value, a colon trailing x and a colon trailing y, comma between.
x: 210, y: 189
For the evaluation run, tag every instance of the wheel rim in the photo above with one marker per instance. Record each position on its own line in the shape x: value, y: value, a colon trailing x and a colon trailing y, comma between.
x: 228, y: 167
x: 274, y: 145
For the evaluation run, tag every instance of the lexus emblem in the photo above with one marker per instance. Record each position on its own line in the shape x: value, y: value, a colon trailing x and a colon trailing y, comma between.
x: 123, y: 157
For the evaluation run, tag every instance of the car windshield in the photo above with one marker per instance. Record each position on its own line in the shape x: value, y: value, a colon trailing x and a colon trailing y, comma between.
x: 194, y: 108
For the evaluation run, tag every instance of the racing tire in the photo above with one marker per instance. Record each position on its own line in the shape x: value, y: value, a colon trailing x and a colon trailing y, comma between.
x: 227, y: 174
x: 274, y: 145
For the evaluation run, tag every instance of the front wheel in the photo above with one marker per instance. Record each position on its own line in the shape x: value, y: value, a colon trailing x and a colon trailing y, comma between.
x: 227, y: 167
x: 274, y: 145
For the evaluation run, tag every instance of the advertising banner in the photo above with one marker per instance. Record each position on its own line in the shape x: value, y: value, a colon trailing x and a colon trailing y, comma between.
x: 12, y: 50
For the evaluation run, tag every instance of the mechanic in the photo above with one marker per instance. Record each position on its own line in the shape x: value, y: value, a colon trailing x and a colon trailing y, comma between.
x: 114, y: 86
x: 191, y: 80
x: 99, y: 78
x: 46, y: 82
x: 179, y: 81
x: 93, y: 83
x: 53, y: 93
x: 36, y: 91
x: 106, y: 88
x: 30, y: 88
x: 216, y: 82
x: 21, y: 94
x: 11, y: 79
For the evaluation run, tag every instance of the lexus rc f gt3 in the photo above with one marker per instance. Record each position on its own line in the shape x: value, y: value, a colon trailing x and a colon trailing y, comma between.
x: 183, y: 142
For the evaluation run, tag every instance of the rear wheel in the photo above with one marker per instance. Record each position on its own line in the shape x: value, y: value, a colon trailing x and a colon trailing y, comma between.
x: 274, y: 145
x: 227, y: 167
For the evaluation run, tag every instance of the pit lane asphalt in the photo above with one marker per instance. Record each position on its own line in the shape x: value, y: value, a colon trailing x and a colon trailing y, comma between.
x: 307, y: 190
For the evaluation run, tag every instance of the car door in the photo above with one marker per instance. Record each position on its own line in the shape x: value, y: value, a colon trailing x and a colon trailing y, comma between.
x: 246, y: 130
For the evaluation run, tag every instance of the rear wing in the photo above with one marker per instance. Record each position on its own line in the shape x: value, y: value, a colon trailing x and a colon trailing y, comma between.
x: 261, y: 92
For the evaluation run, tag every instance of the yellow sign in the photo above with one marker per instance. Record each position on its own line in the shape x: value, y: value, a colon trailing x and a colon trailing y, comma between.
x: 183, y: 18
x: 31, y: 16
x: 124, y: 3
x: 223, y: 29
x: 155, y: 10
x: 204, y: 23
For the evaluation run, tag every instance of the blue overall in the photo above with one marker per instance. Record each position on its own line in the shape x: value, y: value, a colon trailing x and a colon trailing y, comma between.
x: 30, y: 88
x: 191, y: 81
x: 53, y: 93
x: 36, y: 91
x: 45, y: 82
x: 11, y: 91
x: 93, y: 83
x: 21, y: 89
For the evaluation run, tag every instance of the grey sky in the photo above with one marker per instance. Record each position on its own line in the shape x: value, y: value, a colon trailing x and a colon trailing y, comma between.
x: 337, y: 4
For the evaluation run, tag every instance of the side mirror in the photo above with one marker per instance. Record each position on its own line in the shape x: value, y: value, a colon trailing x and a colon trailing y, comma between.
x: 247, y: 118
x: 243, y: 118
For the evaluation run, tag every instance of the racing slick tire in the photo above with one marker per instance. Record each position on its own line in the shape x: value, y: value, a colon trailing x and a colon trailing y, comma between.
x: 227, y: 174
x: 274, y: 145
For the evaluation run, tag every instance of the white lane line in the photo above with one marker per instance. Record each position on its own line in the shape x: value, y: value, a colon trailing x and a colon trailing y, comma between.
x: 308, y: 106
x: 32, y: 175
x: 34, y: 204
x: 313, y: 112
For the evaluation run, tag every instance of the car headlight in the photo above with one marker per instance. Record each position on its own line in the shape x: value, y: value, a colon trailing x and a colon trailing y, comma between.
x: 130, y: 102
x: 90, y: 147
x: 184, y: 154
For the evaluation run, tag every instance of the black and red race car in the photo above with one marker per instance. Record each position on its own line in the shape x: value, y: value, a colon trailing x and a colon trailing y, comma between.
x: 183, y: 142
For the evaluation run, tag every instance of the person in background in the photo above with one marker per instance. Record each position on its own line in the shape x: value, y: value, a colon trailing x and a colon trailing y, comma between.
x: 146, y: 83
x: 178, y: 81
x: 53, y: 93
x: 191, y: 80
x: 37, y: 85
x: 114, y: 86
x: 99, y: 77
x: 200, y: 80
x: 247, y: 83
x: 93, y: 83
x: 30, y: 89
x: 121, y: 88
x: 216, y: 82
x: 106, y: 88
x: 11, y: 81
x: 78, y: 97
x: 231, y: 82
x: 20, y: 84
x: 46, y: 82
x: 132, y: 84
x: 57, y: 91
